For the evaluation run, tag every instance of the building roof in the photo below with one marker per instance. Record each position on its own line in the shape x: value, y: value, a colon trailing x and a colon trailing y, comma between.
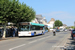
x: 64, y: 25
x: 52, y: 19
x: 38, y: 16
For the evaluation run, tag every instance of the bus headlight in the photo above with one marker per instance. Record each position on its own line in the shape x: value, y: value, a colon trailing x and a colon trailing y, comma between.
x: 29, y: 32
x: 18, y: 33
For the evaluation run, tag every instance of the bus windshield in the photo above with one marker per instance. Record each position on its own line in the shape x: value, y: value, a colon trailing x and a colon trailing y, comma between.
x: 24, y: 28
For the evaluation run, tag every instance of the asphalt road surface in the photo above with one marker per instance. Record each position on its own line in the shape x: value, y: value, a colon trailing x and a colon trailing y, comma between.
x: 41, y: 42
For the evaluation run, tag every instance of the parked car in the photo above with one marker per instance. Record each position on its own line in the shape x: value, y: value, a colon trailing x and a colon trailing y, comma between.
x: 61, y: 29
x: 69, y: 29
x: 73, y: 34
x: 57, y: 30
x: 65, y: 30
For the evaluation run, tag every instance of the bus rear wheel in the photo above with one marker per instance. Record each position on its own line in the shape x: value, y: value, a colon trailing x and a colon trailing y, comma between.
x: 34, y: 33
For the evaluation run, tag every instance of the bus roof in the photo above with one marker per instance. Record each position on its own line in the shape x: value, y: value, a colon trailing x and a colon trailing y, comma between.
x: 30, y: 23
x: 37, y: 24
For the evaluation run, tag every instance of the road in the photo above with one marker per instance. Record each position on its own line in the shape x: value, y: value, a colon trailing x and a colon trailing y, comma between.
x: 42, y: 42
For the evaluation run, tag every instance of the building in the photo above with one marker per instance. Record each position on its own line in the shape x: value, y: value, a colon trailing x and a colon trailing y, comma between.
x: 51, y: 22
x: 35, y: 21
x: 40, y: 19
x: 63, y: 27
x: 44, y: 21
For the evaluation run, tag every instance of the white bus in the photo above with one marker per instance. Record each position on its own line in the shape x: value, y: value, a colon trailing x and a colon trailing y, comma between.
x: 30, y: 29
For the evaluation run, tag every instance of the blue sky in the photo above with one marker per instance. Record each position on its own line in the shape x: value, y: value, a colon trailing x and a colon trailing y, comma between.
x: 63, y: 10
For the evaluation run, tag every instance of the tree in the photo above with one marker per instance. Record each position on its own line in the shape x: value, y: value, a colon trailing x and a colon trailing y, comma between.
x: 14, y: 11
x: 72, y: 27
x: 67, y: 27
x: 26, y: 14
x: 58, y: 23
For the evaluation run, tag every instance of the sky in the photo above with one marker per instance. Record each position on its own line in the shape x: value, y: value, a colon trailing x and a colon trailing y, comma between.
x: 63, y: 10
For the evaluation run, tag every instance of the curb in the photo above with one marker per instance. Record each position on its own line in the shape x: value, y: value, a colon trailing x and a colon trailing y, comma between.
x: 1, y: 39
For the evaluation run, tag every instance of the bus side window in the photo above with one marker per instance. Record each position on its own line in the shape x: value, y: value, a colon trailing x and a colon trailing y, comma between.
x: 40, y: 28
x: 32, y: 27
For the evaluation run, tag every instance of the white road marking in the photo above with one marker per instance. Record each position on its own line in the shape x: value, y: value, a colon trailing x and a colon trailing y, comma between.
x: 17, y: 47
x: 57, y: 46
x: 44, y: 38
x: 38, y: 40
x: 32, y: 42
x: 28, y: 43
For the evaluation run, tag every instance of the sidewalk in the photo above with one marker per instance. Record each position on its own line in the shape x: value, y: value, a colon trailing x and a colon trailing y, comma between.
x: 70, y: 45
x: 7, y: 38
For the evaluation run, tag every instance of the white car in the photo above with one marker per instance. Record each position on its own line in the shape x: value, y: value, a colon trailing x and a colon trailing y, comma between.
x: 65, y: 30
x: 61, y: 29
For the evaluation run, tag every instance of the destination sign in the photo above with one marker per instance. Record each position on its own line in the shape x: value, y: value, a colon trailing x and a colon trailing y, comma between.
x: 24, y: 24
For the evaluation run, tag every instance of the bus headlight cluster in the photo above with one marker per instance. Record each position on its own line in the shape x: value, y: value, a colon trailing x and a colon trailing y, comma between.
x: 18, y: 33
